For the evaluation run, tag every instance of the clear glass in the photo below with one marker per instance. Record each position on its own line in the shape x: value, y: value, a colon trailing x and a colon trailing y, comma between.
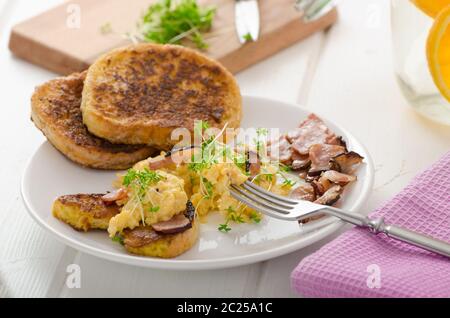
x: 410, y: 28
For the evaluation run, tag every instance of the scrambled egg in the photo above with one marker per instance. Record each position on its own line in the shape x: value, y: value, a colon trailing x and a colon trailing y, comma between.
x: 207, y: 189
x: 210, y: 189
x: 160, y: 202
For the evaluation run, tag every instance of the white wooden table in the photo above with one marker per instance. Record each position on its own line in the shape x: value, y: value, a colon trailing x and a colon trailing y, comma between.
x: 345, y: 73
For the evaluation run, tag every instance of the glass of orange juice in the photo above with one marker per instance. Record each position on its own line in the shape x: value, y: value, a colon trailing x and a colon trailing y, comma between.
x: 410, y: 36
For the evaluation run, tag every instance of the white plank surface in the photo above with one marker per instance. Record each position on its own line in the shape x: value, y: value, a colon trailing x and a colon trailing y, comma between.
x: 345, y: 74
x: 28, y: 257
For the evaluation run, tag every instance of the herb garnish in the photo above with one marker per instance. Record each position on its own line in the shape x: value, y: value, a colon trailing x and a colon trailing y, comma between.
x: 208, y: 187
x: 118, y: 239
x: 224, y: 227
x: 255, y: 217
x: 139, y: 181
x: 154, y: 209
x: 211, y: 149
x: 168, y: 21
x: 248, y: 37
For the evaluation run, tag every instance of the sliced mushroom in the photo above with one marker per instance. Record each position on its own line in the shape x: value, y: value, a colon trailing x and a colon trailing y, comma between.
x: 303, y: 175
x: 337, y: 140
x: 300, y: 162
x: 304, y: 191
x: 140, y: 236
x: 346, y: 162
x: 337, y: 177
x: 310, y: 178
x: 116, y: 195
x: 179, y: 223
x: 330, y: 196
x: 321, y: 155
x: 321, y: 186
x: 328, y: 178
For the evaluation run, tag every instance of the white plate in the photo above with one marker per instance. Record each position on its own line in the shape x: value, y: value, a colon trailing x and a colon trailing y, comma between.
x: 49, y: 174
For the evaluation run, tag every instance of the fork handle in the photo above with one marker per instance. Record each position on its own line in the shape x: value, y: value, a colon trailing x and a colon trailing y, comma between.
x: 417, y: 239
x: 399, y: 233
x: 396, y: 232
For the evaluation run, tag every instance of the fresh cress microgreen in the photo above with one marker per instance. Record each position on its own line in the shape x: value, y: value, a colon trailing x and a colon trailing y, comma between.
x: 172, y: 21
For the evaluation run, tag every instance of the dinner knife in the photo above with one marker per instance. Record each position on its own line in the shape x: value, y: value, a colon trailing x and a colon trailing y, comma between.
x: 314, y: 9
x: 247, y: 20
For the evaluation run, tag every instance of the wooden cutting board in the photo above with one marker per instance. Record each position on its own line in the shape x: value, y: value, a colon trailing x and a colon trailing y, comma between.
x: 55, y: 40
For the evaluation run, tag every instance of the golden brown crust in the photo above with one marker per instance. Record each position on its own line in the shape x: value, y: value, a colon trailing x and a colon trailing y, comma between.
x: 84, y: 211
x: 56, y: 111
x: 140, y: 93
x: 91, y: 203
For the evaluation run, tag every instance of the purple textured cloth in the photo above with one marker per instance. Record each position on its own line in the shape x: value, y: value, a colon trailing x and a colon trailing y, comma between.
x: 360, y: 264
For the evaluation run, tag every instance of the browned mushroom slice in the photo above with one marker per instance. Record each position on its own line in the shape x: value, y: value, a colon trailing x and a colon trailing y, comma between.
x: 328, y: 178
x: 337, y: 140
x: 115, y: 195
x: 310, y: 178
x: 140, y: 236
x: 179, y: 223
x: 337, y: 177
x: 320, y: 186
x: 346, y: 162
x: 304, y: 191
x: 280, y: 150
x: 310, y: 132
x: 321, y: 155
x: 300, y: 162
x: 330, y: 196
x: 303, y: 175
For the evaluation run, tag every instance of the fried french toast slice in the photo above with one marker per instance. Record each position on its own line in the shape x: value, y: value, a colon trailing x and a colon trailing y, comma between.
x: 55, y: 110
x: 84, y: 212
x: 140, y: 93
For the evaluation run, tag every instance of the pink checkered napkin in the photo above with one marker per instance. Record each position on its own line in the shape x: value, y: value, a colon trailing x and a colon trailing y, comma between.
x: 347, y: 266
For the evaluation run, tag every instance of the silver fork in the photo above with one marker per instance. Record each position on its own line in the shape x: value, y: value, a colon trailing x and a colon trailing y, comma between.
x: 289, y: 209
